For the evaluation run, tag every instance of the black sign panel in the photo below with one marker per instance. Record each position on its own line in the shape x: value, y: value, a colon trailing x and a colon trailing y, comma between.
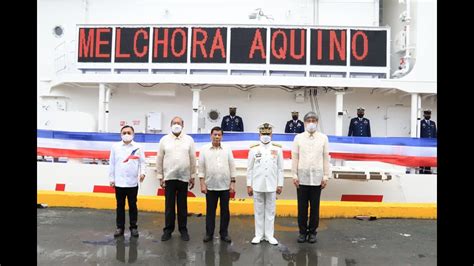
x: 248, y: 45
x: 368, y: 48
x: 132, y: 45
x: 94, y: 45
x: 328, y: 47
x: 208, y: 45
x: 170, y: 45
x: 288, y: 46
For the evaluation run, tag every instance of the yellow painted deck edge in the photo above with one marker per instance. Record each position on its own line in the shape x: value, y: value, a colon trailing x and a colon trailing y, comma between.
x: 329, y: 209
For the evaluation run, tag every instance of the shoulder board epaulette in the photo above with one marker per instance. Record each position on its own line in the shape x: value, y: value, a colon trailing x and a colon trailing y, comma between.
x: 276, y: 144
x: 254, y: 145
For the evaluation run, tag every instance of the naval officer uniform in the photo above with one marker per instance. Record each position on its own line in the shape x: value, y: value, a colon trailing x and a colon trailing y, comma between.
x: 264, y: 181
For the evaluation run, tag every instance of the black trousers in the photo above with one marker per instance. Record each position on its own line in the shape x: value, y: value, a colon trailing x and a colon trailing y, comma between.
x: 131, y: 194
x: 176, y: 192
x: 311, y: 195
x: 211, y: 204
x: 226, y: 256
x: 132, y: 251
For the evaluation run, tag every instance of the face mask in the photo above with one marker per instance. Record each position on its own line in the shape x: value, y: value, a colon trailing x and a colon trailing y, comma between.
x: 311, y: 127
x: 265, y: 138
x: 232, y: 113
x: 360, y: 115
x: 295, y: 117
x: 176, y: 128
x: 427, y: 117
x: 127, y: 138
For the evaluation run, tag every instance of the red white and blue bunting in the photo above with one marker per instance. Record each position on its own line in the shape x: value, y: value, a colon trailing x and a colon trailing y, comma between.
x: 410, y: 152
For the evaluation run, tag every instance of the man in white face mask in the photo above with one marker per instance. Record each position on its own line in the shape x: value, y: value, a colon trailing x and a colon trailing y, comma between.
x: 126, y: 167
x: 310, y: 169
x: 264, y: 181
x: 176, y: 169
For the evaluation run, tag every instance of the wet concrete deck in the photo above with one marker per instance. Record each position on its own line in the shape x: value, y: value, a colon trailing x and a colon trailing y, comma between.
x: 73, y: 236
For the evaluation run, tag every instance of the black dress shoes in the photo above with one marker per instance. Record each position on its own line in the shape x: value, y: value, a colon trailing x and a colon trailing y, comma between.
x: 134, y: 232
x: 226, y: 239
x: 207, y: 238
x: 312, y: 238
x: 166, y: 237
x: 185, y: 236
x: 118, y: 232
x: 301, y: 238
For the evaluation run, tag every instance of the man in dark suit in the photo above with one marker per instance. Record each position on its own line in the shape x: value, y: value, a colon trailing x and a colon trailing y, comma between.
x: 427, y: 130
x: 232, y: 122
x: 294, y: 125
x: 359, y: 126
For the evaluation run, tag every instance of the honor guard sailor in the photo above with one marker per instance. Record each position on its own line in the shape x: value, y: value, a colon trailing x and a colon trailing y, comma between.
x: 428, y: 127
x: 294, y: 125
x: 427, y: 130
x: 359, y: 126
x: 232, y: 122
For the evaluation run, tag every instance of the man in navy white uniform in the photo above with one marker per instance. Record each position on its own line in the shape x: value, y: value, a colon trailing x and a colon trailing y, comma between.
x: 294, y: 125
x: 126, y: 167
x: 359, y: 126
x: 264, y: 181
x: 427, y: 130
x: 232, y: 122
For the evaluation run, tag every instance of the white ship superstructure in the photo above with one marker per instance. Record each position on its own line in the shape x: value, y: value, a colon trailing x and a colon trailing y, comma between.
x: 268, y: 58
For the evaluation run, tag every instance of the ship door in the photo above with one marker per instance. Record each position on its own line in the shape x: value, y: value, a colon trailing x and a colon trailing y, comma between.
x: 398, y: 121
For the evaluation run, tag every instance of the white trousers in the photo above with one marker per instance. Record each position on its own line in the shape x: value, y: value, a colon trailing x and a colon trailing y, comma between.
x: 264, y: 211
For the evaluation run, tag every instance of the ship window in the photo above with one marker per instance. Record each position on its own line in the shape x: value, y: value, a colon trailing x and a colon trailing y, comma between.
x: 213, y: 115
x: 58, y: 31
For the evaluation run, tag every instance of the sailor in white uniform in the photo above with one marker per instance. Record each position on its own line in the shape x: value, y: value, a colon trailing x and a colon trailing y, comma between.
x: 264, y: 181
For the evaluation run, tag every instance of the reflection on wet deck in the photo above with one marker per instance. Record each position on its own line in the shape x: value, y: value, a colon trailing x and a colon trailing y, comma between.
x: 69, y: 236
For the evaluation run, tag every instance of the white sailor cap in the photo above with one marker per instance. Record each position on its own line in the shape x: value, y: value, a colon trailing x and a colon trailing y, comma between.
x: 265, y: 128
